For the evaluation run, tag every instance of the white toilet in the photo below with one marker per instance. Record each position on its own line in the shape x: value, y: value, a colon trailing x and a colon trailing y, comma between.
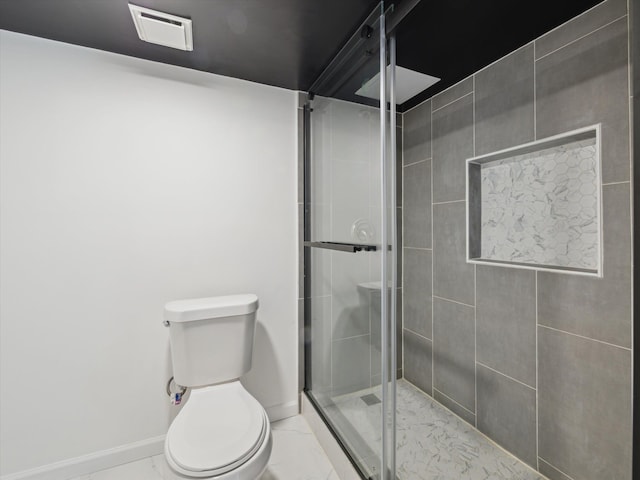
x: 222, y: 432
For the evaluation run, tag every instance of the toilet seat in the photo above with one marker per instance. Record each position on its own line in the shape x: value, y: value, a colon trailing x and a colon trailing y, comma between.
x: 219, y: 429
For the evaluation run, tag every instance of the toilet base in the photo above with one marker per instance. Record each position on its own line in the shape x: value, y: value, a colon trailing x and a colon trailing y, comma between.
x: 252, y: 469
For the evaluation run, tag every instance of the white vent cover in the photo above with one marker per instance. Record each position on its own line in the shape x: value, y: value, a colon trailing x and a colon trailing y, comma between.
x: 162, y: 28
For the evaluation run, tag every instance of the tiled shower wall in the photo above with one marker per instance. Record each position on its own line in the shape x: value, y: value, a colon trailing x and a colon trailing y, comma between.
x: 538, y: 361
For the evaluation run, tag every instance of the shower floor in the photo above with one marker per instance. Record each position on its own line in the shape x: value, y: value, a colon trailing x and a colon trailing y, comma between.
x: 433, y: 443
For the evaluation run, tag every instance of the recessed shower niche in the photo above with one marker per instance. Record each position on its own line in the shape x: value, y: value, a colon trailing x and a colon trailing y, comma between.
x: 538, y: 205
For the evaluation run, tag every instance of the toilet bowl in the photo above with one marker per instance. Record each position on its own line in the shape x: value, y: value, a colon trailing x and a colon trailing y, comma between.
x: 222, y: 431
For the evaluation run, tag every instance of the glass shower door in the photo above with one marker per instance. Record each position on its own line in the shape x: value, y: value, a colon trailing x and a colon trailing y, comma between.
x: 349, y: 259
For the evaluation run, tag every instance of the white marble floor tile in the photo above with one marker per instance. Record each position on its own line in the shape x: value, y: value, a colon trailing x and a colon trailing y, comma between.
x: 433, y: 443
x: 296, y: 455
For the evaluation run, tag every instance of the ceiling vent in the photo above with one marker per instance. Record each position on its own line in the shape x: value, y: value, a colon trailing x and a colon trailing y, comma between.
x: 161, y: 28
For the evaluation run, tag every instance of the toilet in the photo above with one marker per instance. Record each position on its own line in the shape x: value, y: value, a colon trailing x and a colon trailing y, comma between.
x: 222, y: 432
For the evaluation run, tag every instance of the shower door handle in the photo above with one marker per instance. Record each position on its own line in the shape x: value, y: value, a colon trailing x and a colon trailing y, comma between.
x: 342, y: 247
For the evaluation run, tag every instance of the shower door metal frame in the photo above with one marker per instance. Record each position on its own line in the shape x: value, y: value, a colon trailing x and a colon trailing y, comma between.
x: 330, y: 82
x: 388, y: 242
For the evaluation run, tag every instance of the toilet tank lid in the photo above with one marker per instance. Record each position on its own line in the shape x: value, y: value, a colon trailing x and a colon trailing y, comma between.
x: 210, y: 307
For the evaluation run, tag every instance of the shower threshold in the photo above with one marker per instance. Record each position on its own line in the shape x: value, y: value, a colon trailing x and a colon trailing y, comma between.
x: 432, y: 442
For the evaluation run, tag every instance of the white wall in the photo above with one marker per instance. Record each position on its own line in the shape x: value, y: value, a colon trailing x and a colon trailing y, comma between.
x: 127, y: 184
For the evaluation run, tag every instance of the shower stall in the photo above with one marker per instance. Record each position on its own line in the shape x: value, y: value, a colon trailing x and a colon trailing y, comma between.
x: 467, y: 254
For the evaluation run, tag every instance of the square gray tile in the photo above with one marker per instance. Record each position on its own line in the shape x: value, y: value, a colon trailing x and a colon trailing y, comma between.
x: 417, y: 291
x: 454, y: 352
x: 584, y: 83
x: 320, y: 344
x: 320, y: 282
x: 506, y: 321
x: 453, y: 93
x: 597, y: 308
x: 320, y: 221
x: 350, y: 305
x: 584, y: 410
x: 350, y: 198
x: 417, y: 361
x: 504, y: 95
x: 452, y: 145
x: 417, y: 205
x: 452, y: 275
x: 580, y: 26
x: 416, y: 131
x: 376, y: 339
x: 507, y: 413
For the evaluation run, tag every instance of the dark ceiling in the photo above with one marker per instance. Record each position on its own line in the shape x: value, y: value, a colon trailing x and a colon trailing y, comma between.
x: 453, y: 39
x: 287, y: 43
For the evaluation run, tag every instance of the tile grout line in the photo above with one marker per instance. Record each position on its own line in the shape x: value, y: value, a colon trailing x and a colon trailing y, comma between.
x: 632, y: 154
x: 506, y: 376
x: 370, y: 322
x: 451, y: 102
x: 433, y: 356
x: 537, y: 384
x: 475, y: 341
x: 580, y: 38
x: 586, y: 338
x: 432, y: 97
x: 413, y: 163
x: 331, y: 254
x: 449, y: 398
x: 350, y: 338
x: 556, y: 468
x: 401, y: 250
x: 475, y: 283
x: 535, y: 116
x: 453, y: 301
x: 417, y: 334
x: 625, y: 182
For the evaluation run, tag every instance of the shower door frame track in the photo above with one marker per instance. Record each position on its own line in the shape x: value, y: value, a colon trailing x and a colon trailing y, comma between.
x: 392, y: 17
x: 307, y: 288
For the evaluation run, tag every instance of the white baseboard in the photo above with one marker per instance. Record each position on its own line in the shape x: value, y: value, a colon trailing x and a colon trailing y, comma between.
x: 93, y: 462
x: 281, y: 411
x: 131, y: 452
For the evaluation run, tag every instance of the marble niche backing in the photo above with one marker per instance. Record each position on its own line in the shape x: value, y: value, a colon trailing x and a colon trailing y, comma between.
x: 538, y: 205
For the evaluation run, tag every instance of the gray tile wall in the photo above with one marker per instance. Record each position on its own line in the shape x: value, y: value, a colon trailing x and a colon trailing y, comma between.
x: 538, y: 361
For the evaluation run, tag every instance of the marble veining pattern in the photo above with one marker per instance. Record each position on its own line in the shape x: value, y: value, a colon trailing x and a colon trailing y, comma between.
x: 433, y: 443
x: 296, y: 455
x: 541, y: 208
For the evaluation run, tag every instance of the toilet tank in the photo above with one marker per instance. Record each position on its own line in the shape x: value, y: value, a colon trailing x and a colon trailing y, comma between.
x: 211, y: 338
